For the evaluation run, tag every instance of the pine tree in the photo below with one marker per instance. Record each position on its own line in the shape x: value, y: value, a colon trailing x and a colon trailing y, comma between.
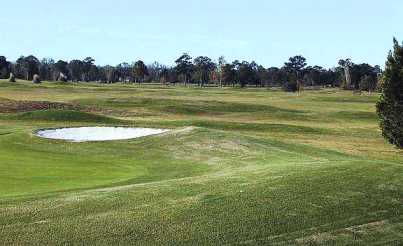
x: 390, y: 105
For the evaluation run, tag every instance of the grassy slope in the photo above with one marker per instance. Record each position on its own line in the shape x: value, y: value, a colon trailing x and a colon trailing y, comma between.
x: 258, y: 167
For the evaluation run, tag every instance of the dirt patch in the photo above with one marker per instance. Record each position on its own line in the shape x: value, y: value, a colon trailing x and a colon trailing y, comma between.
x: 9, y: 106
x: 357, y: 230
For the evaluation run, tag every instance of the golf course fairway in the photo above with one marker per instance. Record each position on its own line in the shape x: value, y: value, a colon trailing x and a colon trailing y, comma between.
x: 238, y: 166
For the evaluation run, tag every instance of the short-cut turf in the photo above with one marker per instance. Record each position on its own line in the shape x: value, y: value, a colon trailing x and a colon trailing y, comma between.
x: 248, y: 166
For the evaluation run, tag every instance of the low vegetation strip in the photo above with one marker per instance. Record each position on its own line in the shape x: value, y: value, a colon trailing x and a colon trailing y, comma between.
x: 11, y: 106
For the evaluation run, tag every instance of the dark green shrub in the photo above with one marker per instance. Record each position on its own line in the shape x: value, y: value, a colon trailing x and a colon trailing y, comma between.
x: 390, y: 105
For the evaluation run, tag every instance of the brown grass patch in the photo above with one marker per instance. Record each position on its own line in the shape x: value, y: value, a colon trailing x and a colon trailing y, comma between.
x: 10, y: 106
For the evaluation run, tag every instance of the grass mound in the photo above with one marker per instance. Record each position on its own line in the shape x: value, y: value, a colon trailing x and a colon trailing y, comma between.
x: 64, y: 115
x: 175, y: 155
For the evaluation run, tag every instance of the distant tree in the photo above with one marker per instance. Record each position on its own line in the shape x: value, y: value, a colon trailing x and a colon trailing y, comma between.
x: 368, y: 83
x: 330, y: 77
x: 46, y: 70
x: 203, y: 66
x: 99, y: 74
x: 291, y: 84
x: 346, y: 65
x: 4, y: 67
x: 62, y: 67
x: 390, y: 105
x: 314, y: 75
x: 295, y: 68
x: 296, y: 64
x: 96, y: 74
x: 61, y: 70
x: 154, y: 71
x: 358, y: 72
x: 164, y: 75
x: 76, y: 68
x: 263, y: 76
x: 124, y: 72
x: 228, y: 74
x: 27, y: 66
x: 109, y: 73
x: 172, y: 76
x: 246, y: 73
x: 255, y: 78
x: 235, y: 66
x: 87, y: 66
x: 221, y: 63
x: 139, y: 71
x: 184, y: 67
x: 276, y: 76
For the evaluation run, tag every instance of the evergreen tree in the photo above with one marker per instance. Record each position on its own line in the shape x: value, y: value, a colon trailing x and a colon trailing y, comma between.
x: 184, y: 66
x: 203, y: 67
x: 140, y: 71
x: 295, y: 69
x: 390, y: 105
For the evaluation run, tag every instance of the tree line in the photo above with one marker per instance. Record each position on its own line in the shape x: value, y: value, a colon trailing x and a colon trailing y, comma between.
x: 202, y: 70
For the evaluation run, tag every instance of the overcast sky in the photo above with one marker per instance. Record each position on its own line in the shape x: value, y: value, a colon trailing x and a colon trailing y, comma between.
x: 267, y: 31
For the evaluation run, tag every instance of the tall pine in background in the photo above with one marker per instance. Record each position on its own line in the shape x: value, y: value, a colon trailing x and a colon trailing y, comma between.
x: 390, y: 105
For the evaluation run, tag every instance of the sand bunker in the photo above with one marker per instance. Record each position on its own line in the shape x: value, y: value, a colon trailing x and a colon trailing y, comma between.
x: 87, y: 134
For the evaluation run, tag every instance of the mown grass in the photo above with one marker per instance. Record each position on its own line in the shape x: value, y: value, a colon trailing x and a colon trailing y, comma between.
x: 249, y: 166
x: 61, y: 115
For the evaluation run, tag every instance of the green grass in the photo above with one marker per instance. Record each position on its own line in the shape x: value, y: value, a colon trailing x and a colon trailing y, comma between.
x: 62, y: 116
x: 250, y: 166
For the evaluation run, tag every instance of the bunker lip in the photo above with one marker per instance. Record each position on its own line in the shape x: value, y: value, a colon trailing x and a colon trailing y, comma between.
x: 96, y: 133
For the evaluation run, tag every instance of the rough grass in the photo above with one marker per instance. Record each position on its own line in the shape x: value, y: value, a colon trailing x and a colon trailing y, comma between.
x: 249, y: 166
x: 11, y: 106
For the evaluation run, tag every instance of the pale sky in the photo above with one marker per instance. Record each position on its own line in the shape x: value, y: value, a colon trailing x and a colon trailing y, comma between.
x: 265, y: 31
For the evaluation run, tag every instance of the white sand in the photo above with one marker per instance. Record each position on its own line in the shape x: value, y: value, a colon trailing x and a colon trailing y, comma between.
x: 87, y: 134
